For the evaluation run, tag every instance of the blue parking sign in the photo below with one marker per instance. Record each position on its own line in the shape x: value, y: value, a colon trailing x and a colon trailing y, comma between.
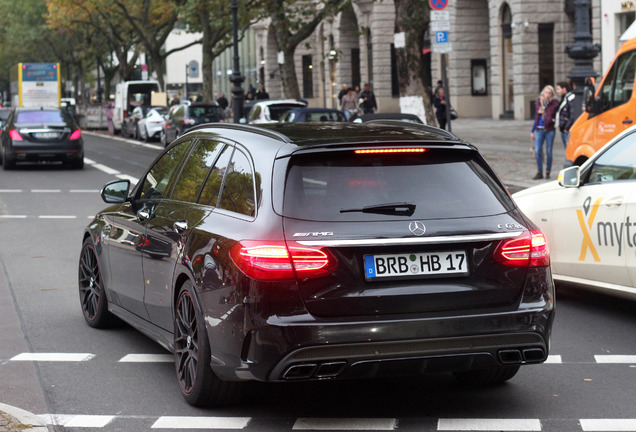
x: 441, y: 37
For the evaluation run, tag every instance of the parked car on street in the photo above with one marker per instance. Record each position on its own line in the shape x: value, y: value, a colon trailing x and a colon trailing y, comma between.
x: 585, y: 215
x: 130, y: 123
x: 151, y: 124
x: 312, y: 115
x: 4, y: 115
x: 184, y: 116
x: 271, y: 110
x: 41, y: 134
x: 315, y: 251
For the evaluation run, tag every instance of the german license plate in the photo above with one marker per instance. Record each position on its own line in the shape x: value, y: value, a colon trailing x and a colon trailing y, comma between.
x: 415, y: 264
x: 47, y: 135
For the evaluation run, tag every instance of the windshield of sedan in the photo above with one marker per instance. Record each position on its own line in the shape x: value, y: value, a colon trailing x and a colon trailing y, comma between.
x: 435, y: 184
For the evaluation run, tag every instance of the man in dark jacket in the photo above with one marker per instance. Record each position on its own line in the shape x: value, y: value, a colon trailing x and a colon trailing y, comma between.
x: 564, y: 117
x: 368, y: 100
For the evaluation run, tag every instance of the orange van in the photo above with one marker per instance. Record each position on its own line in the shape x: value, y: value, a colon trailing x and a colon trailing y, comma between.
x: 611, y: 110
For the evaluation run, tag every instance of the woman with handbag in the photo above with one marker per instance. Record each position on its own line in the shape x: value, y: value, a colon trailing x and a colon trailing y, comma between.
x: 543, y: 129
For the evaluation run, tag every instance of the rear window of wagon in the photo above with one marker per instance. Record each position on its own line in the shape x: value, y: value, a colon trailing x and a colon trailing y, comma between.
x: 441, y: 183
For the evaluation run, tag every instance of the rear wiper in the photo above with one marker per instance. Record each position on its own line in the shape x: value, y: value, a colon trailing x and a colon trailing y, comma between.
x: 399, y: 209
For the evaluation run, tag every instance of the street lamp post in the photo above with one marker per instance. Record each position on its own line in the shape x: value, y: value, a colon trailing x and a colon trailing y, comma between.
x: 582, y: 51
x: 237, y: 79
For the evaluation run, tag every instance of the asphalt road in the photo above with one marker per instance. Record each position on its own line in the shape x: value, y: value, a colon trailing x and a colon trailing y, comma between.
x: 86, y: 379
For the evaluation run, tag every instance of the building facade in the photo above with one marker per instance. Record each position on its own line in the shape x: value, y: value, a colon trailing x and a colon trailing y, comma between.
x: 503, y: 53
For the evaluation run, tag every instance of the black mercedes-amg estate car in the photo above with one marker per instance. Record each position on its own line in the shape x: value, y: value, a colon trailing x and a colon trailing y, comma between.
x: 291, y: 252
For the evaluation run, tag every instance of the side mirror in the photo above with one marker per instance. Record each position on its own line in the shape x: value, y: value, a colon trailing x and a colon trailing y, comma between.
x: 570, y: 177
x: 116, y: 192
x: 589, y: 101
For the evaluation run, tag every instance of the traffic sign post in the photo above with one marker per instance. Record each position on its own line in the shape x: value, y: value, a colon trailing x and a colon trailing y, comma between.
x: 438, y: 4
x: 440, y: 28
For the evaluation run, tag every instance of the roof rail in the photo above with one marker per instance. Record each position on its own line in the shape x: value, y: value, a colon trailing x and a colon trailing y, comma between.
x: 246, y: 128
x: 418, y: 126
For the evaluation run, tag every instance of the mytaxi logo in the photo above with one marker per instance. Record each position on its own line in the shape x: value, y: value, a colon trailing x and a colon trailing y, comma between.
x: 586, y: 226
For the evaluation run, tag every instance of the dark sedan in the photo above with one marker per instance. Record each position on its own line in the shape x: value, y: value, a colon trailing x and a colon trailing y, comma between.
x: 306, y: 252
x: 35, y: 134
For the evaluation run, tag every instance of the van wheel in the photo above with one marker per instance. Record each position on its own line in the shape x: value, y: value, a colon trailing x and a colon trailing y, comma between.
x: 580, y: 160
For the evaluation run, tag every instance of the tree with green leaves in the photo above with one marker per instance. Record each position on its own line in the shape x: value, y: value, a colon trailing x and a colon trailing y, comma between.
x: 412, y: 18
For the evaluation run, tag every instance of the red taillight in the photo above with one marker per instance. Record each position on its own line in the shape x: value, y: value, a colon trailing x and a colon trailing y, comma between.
x: 276, y: 260
x: 15, y: 135
x: 528, y: 250
x: 76, y: 135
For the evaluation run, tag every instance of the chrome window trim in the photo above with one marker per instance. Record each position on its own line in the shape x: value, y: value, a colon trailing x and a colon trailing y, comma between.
x: 411, y: 240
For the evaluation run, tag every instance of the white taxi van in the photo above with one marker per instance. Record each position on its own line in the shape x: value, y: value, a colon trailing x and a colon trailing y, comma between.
x: 589, y: 218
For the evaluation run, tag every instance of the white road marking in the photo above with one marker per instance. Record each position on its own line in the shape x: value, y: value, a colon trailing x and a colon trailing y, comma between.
x: 53, y: 357
x: 57, y: 217
x: 13, y: 216
x: 602, y: 425
x: 84, y: 190
x: 107, y: 170
x: 186, y: 422
x: 45, y: 191
x: 476, y: 424
x: 80, y: 421
x: 10, y: 190
x: 147, y: 358
x: 341, y: 424
x: 615, y: 358
x: 554, y: 359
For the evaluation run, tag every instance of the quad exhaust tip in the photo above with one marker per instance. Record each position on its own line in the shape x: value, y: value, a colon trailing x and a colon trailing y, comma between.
x: 314, y: 370
x: 520, y: 356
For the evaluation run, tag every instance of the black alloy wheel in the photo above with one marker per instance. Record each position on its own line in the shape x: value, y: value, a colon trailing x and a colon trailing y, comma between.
x: 91, y: 289
x: 199, y: 385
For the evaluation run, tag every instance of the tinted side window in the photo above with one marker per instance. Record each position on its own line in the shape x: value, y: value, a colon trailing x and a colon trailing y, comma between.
x: 196, y: 170
x: 210, y: 193
x: 617, y: 163
x: 440, y: 183
x: 158, y: 179
x: 238, y: 186
x: 606, y: 90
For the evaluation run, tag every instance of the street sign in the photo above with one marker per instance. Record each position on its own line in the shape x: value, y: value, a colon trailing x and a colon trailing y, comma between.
x: 441, y: 37
x: 440, y: 26
x: 442, y: 48
x: 440, y: 15
x: 438, y: 4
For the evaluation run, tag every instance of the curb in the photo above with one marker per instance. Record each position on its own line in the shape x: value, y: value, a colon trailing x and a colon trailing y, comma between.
x: 20, y: 420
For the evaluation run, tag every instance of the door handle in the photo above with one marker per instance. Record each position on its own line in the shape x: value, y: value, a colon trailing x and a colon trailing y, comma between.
x: 614, y: 202
x: 628, y: 121
x: 180, y: 226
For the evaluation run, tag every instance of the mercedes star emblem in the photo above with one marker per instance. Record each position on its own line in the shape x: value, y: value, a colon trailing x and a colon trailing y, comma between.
x: 417, y: 228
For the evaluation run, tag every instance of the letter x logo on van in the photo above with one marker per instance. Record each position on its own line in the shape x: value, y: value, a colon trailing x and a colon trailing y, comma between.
x: 586, y: 226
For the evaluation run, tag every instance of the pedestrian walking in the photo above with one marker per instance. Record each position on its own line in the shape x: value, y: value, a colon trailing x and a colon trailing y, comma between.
x: 441, y: 106
x: 543, y: 129
x: 564, y: 116
x: 343, y: 91
x: 222, y: 101
x: 369, y: 105
x: 349, y: 104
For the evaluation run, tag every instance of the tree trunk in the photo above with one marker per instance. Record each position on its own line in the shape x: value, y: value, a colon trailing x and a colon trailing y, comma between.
x: 289, y: 77
x: 207, y: 59
x: 412, y: 18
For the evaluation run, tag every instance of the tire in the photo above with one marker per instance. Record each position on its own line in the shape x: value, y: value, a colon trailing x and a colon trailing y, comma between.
x: 198, y: 383
x: 137, y: 135
x: 162, y: 138
x: 7, y: 162
x: 490, y: 376
x: 146, y: 136
x: 92, y: 295
x: 78, y: 164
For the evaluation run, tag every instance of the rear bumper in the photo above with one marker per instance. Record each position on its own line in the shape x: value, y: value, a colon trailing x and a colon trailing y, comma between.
x: 69, y: 151
x: 284, y: 350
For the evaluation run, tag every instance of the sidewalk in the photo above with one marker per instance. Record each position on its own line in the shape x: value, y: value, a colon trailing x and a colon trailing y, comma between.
x: 506, y: 145
x: 13, y: 419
